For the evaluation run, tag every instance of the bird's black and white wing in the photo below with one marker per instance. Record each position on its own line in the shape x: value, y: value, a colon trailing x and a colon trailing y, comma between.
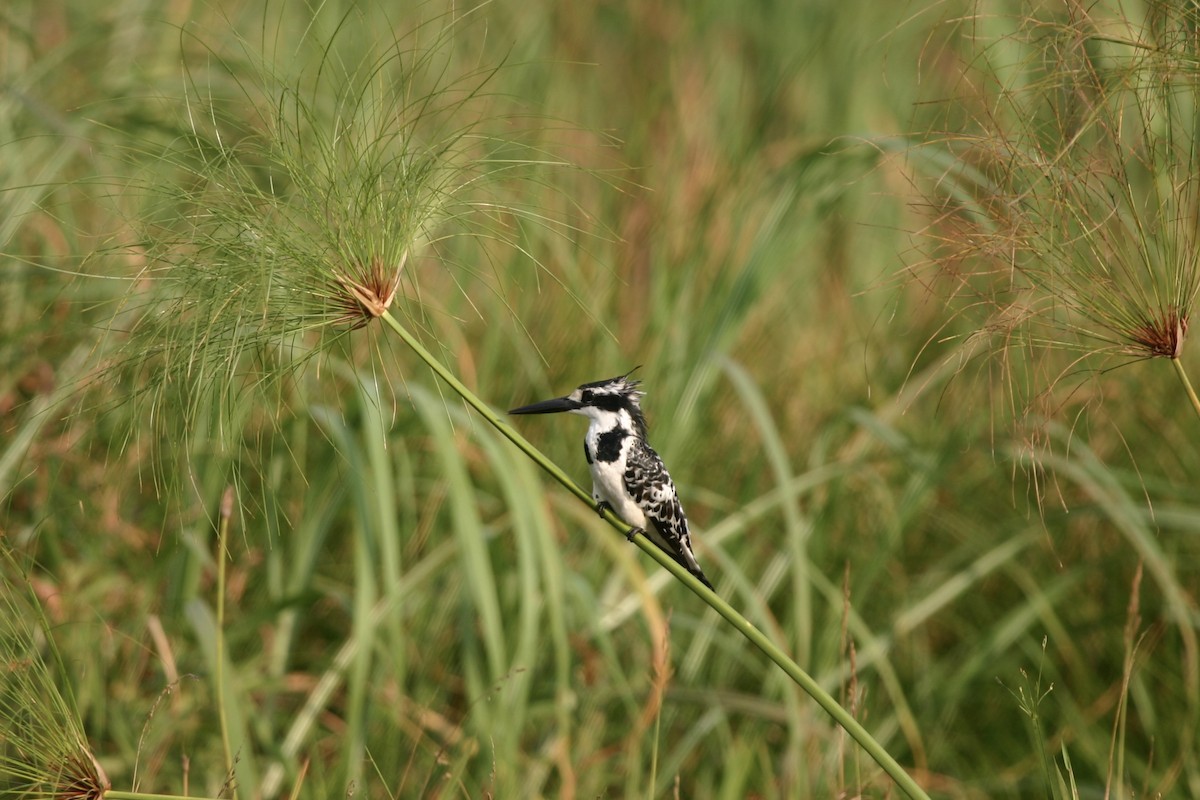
x: 650, y: 486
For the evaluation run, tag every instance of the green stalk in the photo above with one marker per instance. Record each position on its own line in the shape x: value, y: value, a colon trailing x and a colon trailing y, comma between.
x: 731, y: 615
x: 1187, y: 384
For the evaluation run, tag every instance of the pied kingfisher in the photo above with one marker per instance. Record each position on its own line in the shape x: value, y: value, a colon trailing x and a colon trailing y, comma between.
x: 628, y: 477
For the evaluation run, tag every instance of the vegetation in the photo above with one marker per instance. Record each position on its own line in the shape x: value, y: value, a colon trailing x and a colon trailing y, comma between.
x: 878, y: 268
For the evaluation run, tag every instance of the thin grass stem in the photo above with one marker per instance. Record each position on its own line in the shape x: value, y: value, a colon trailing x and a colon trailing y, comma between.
x: 654, y: 754
x: 114, y: 794
x: 756, y: 637
x: 222, y: 534
x: 1187, y: 384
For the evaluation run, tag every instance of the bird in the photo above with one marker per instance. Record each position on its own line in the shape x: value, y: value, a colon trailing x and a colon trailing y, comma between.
x: 628, y: 476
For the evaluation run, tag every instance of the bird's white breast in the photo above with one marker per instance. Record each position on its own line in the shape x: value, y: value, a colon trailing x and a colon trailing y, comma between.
x: 608, y: 480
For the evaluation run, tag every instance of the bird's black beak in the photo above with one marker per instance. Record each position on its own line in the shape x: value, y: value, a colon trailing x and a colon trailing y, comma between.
x: 548, y: 406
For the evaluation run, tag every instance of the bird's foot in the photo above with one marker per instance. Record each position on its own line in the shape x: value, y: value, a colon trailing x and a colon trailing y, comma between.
x: 634, y: 532
x: 603, y: 506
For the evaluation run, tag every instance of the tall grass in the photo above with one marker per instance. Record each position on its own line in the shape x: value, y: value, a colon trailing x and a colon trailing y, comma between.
x: 410, y: 609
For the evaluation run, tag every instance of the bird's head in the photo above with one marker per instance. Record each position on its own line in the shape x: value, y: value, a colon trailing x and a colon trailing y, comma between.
x: 616, y: 398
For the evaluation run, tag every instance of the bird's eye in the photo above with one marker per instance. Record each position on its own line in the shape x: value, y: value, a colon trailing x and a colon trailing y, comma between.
x: 586, y: 397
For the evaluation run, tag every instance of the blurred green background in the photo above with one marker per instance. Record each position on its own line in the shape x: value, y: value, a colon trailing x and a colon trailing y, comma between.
x: 415, y: 611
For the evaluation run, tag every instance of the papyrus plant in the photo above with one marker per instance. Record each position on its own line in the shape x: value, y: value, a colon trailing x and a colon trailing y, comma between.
x: 1066, y: 196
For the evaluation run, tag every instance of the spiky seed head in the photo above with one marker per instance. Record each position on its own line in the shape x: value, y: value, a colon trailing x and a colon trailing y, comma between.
x: 1162, y: 337
x: 367, y: 290
x: 82, y: 778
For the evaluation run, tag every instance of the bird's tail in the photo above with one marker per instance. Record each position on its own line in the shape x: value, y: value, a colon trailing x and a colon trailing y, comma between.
x: 692, y: 568
x: 699, y: 575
